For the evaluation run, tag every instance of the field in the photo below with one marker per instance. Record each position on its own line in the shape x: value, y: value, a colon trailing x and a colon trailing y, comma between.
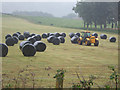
x: 85, y: 60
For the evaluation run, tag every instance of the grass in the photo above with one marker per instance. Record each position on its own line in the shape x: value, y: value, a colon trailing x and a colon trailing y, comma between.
x: 86, y: 60
x: 66, y: 23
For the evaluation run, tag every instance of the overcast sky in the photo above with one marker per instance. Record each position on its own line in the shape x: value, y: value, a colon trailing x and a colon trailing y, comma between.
x: 56, y: 8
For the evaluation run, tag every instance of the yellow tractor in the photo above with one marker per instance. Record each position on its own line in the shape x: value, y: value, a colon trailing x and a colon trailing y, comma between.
x: 88, y: 39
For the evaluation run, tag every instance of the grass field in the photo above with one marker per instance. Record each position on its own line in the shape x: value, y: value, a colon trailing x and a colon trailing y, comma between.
x: 86, y: 60
x: 65, y: 23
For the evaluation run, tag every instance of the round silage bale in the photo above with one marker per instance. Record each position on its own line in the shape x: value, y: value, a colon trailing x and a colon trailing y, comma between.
x: 23, y: 43
x: 16, y: 34
x: 62, y: 40
x: 8, y: 35
x: 21, y: 37
x: 78, y: 34
x: 51, y: 34
x: 32, y: 34
x: 112, y: 39
x: 74, y: 39
x: 32, y: 40
x: 71, y: 35
x: 95, y: 34
x: 3, y: 50
x: 44, y: 35
x: 40, y: 46
x: 10, y: 41
x: 37, y: 37
x: 50, y: 39
x: 63, y: 34
x: 103, y: 36
x: 26, y: 34
x: 57, y: 34
x: 28, y: 50
x: 15, y: 39
x: 56, y: 41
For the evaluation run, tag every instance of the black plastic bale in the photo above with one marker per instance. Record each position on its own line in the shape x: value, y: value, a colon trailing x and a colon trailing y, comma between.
x: 26, y: 34
x: 71, y: 35
x: 112, y: 39
x: 103, y: 36
x: 40, y: 46
x: 48, y: 34
x: 23, y: 43
x: 10, y: 41
x: 32, y: 34
x: 50, y: 39
x: 51, y: 34
x: 37, y: 37
x: 16, y: 34
x: 8, y: 35
x: 78, y: 34
x: 3, y: 50
x: 62, y: 39
x: 56, y: 41
x: 15, y: 39
x: 32, y: 40
x: 95, y: 34
x: 74, y: 39
x: 57, y: 34
x: 44, y: 35
x: 63, y: 34
x: 21, y: 37
x: 28, y: 50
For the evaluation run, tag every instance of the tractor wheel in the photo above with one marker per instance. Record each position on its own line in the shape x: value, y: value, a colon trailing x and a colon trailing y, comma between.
x: 96, y: 43
x: 87, y: 43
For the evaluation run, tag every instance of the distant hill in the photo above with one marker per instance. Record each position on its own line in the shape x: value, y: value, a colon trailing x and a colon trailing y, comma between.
x: 32, y: 13
x: 71, y: 16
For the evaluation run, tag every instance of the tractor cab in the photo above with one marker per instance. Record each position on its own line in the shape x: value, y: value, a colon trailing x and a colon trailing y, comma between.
x: 86, y: 34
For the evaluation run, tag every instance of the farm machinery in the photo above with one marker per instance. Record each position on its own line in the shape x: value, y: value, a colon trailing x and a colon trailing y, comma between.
x: 88, y: 39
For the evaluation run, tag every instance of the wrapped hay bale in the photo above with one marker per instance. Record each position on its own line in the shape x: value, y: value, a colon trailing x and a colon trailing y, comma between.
x: 21, y: 37
x: 63, y: 34
x: 44, y: 35
x: 10, y: 41
x: 56, y: 41
x: 57, y: 34
x: 15, y: 39
x: 78, y: 34
x: 103, y: 36
x: 28, y: 50
x: 23, y: 43
x: 37, y: 37
x: 74, y: 39
x: 32, y: 34
x: 40, y: 46
x: 112, y: 39
x: 8, y: 35
x: 26, y: 34
x: 16, y: 34
x: 71, y: 35
x: 61, y: 39
x: 51, y: 34
x: 95, y: 34
x: 50, y: 39
x: 3, y: 50
x: 32, y: 40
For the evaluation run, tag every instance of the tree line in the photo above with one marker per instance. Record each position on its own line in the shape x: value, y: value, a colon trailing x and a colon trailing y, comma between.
x: 98, y: 13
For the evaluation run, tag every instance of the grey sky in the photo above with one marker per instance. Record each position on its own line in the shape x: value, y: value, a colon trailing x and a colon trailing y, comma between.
x: 56, y: 8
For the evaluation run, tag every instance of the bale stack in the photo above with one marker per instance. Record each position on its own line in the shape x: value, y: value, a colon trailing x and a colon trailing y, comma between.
x: 112, y: 39
x: 103, y: 36
x: 3, y: 50
x: 40, y: 46
x: 95, y: 34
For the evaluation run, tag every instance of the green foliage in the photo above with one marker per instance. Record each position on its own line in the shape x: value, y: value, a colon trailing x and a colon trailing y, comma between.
x: 60, y: 73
